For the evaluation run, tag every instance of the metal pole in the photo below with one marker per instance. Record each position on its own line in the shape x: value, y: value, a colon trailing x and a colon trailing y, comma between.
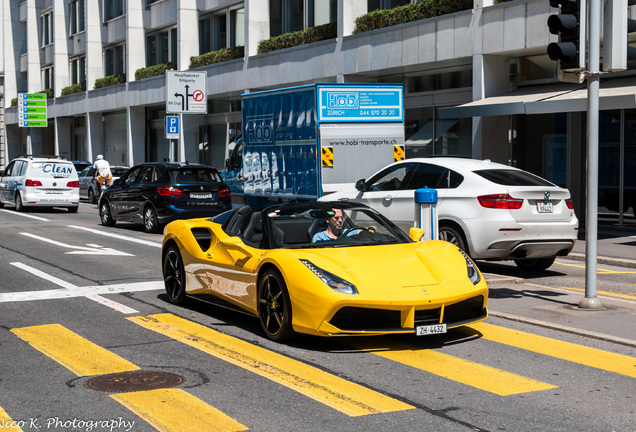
x: 590, y: 301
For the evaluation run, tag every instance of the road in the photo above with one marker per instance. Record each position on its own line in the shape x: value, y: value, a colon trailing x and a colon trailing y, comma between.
x: 89, y: 342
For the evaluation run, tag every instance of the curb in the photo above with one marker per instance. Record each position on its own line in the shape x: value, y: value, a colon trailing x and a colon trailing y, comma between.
x: 566, y: 329
x: 619, y: 262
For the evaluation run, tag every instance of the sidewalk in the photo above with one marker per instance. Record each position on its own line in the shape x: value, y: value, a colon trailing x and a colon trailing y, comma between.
x: 510, y: 298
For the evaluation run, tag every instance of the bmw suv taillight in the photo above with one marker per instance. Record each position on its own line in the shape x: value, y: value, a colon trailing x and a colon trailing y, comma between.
x: 74, y: 183
x: 32, y: 183
x: 169, y: 191
x: 500, y: 201
x: 568, y: 202
x: 223, y: 193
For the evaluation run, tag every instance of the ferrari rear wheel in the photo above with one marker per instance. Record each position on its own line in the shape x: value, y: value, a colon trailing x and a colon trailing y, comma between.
x: 174, y: 276
x: 274, y: 307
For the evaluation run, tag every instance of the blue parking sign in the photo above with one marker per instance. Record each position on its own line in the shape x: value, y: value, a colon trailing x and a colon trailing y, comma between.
x: 172, y: 127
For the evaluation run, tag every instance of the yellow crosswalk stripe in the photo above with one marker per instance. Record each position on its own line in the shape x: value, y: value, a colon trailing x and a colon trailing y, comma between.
x: 77, y: 354
x: 347, y: 397
x: 596, y: 358
x: 467, y: 372
x: 176, y: 410
x: 85, y: 358
x: 8, y: 423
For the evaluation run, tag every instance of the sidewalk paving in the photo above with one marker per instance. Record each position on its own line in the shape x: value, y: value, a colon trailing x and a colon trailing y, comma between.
x: 512, y: 299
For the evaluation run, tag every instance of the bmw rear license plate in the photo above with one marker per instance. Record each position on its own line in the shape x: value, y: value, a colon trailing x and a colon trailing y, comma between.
x: 544, y: 207
x: 430, y: 329
x: 197, y: 195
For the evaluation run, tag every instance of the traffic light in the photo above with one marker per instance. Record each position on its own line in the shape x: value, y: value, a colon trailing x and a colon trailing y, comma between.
x: 616, y: 27
x: 569, y: 24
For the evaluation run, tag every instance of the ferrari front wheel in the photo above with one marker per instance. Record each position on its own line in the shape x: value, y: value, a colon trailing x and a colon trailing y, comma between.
x: 274, y: 306
x: 174, y: 279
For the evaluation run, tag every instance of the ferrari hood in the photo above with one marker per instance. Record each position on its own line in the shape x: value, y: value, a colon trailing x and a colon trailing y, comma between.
x: 392, y: 265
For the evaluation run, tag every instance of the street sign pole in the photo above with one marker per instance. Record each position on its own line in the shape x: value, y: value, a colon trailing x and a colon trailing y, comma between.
x: 590, y: 301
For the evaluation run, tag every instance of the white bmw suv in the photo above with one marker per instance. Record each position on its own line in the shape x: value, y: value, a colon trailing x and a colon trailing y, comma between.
x: 30, y: 181
x: 491, y: 211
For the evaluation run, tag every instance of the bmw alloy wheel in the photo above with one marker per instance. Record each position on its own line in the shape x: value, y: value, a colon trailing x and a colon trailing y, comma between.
x: 151, y: 225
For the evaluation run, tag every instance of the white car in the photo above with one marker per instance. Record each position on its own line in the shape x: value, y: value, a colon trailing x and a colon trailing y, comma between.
x: 491, y: 211
x: 30, y: 181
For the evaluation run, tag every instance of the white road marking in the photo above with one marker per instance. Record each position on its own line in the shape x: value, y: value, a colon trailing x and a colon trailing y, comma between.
x: 26, y: 215
x: 80, y: 250
x: 69, y: 290
x: 117, y: 236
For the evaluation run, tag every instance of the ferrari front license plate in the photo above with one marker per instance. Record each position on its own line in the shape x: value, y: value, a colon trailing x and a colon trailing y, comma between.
x: 544, y: 207
x: 200, y: 195
x: 430, y: 329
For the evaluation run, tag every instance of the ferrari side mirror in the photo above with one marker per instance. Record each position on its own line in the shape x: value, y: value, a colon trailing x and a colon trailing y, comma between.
x: 416, y: 234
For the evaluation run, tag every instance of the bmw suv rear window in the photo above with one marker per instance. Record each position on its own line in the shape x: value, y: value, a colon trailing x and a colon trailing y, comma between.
x: 513, y: 178
x: 194, y: 175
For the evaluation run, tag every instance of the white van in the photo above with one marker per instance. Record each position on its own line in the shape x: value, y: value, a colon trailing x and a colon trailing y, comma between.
x: 30, y: 181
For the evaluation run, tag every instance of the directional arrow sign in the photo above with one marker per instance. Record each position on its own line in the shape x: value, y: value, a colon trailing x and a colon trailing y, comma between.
x: 92, y: 249
x: 186, y: 93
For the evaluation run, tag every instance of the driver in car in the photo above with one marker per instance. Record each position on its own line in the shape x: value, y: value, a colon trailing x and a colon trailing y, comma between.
x: 334, y: 228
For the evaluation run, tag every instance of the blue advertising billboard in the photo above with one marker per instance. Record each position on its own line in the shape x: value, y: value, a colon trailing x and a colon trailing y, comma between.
x: 360, y: 104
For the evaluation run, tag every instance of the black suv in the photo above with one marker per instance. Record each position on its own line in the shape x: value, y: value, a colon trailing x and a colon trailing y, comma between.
x: 157, y: 193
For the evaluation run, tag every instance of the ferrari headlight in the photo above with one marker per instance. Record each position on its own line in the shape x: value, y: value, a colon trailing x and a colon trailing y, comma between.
x: 473, y: 273
x: 334, y: 282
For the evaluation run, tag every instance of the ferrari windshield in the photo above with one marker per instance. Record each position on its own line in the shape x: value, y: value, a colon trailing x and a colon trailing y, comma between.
x: 323, y: 225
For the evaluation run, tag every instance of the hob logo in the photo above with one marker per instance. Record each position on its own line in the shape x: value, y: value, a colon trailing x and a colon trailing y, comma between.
x: 260, y: 130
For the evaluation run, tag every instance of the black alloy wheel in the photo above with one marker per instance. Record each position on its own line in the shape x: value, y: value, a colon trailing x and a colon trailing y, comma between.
x: 174, y: 276
x: 274, y: 307
x: 105, y: 215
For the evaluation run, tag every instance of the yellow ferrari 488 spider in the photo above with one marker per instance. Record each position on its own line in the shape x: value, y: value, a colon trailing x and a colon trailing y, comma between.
x: 323, y: 269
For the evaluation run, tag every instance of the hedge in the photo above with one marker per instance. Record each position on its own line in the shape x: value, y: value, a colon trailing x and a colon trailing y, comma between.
x: 110, y: 80
x: 412, y: 12
x: 224, y: 54
x: 75, y: 88
x: 155, y: 70
x: 288, y: 40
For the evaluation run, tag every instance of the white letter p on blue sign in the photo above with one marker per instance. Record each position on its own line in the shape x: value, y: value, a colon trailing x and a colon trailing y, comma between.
x: 172, y: 127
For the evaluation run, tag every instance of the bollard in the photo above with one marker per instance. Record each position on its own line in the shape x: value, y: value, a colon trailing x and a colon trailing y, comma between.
x: 426, y: 212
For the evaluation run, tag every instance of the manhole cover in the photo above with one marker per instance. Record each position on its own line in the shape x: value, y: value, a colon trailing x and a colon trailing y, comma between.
x: 123, y: 382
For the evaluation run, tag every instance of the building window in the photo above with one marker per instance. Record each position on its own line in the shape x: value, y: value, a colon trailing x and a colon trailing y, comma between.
x: 78, y: 70
x: 161, y: 47
x: 287, y: 16
x: 387, y: 4
x: 78, y: 20
x: 47, y: 28
x: 113, y: 9
x: 114, y: 60
x: 223, y: 29
x: 47, y: 77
